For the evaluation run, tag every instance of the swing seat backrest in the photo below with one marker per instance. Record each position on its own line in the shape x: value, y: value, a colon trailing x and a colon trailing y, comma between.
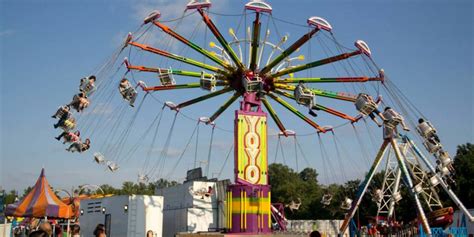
x: 143, y: 178
x: 346, y: 204
x: 113, y: 167
x: 208, y: 84
x: 444, y: 171
x: 397, y: 196
x: 392, y: 117
x: 99, y: 158
x: 434, y: 180
x: 61, y: 111
x: 425, y: 129
x: 418, y: 188
x: 252, y: 84
x: 304, y: 97
x: 445, y: 158
x: 365, y: 106
x: 166, y: 78
x: 432, y: 148
x: 326, y: 200
x: 69, y: 125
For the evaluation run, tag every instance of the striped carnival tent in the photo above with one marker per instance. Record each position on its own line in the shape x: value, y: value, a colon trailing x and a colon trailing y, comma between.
x: 40, y: 202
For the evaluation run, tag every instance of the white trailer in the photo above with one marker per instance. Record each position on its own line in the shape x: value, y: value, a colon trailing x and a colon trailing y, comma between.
x: 123, y: 215
x: 191, y: 208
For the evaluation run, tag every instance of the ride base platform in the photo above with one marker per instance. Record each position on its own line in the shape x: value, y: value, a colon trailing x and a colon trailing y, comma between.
x: 216, y: 234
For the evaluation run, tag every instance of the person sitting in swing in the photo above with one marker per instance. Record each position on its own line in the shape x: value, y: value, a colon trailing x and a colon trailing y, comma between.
x: 69, y: 136
x: 61, y: 111
x: 66, y: 122
x: 127, y: 91
x: 79, y: 102
x: 427, y: 131
x: 80, y: 146
x: 393, y: 119
x: 365, y: 104
x: 302, y: 97
x: 64, y: 115
x: 87, y: 85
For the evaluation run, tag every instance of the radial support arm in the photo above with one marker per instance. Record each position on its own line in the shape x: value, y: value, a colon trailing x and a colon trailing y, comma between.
x: 297, y: 44
x: 164, y: 70
x: 296, y: 112
x: 204, y: 97
x: 319, y: 92
x: 315, y: 64
x: 255, y: 42
x: 220, y: 38
x: 202, y: 51
x: 320, y: 107
x: 224, y: 106
x: 363, y: 187
x: 329, y: 79
x: 180, y: 86
x: 274, y: 116
x: 334, y: 112
x: 175, y: 57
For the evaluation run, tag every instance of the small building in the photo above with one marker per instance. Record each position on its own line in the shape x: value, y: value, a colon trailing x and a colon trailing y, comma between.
x: 123, y: 215
x: 197, y: 205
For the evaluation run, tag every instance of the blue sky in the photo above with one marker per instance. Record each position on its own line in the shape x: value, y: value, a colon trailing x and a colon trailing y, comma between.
x: 425, y: 47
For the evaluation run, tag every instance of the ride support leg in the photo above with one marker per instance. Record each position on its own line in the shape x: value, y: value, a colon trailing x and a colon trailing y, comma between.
x: 409, y: 183
x: 363, y: 187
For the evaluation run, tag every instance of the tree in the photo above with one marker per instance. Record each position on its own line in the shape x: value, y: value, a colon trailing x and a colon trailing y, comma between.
x: 288, y: 186
x: 464, y: 166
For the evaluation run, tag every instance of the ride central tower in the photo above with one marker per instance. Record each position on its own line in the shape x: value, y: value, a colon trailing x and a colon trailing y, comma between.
x: 249, y: 199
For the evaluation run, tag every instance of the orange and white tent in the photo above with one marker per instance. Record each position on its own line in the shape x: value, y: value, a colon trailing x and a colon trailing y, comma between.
x: 40, y: 202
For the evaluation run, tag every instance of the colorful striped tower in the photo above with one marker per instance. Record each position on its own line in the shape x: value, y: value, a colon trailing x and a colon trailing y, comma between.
x: 248, y: 200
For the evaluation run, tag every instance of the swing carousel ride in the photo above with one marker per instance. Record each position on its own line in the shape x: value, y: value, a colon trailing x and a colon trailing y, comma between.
x: 259, y: 68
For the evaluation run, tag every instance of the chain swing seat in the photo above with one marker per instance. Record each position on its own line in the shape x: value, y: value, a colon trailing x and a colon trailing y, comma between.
x: 304, y: 96
x: 143, y: 178
x: 99, y: 158
x: 397, y: 197
x: 392, y: 118
x: 87, y: 85
x: 166, y: 77
x: 365, y: 104
x: 208, y: 84
x: 69, y: 124
x: 346, y: 204
x: 61, y: 112
x: 112, y: 166
x: 294, y: 205
x: 426, y: 130
x: 445, y: 158
x: 252, y: 83
x: 377, y: 195
x: 432, y: 146
x: 326, y: 200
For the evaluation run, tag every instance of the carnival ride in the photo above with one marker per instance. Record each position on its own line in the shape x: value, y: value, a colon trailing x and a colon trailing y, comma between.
x: 259, y: 71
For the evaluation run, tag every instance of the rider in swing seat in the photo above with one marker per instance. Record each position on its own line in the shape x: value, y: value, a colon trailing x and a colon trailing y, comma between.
x: 127, y: 91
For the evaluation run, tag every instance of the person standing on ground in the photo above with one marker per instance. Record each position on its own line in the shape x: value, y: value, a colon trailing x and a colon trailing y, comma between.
x: 100, y: 231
